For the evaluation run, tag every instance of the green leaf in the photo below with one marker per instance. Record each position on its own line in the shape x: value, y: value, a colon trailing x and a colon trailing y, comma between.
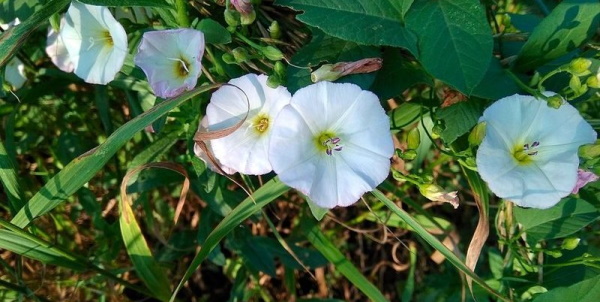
x: 335, y: 256
x: 362, y: 21
x: 567, y: 217
x: 9, y: 179
x: 154, y: 3
x: 83, y: 168
x: 324, y: 48
x: 214, y: 33
x: 261, y: 197
x: 584, y: 291
x: 317, y: 212
x: 146, y: 267
x: 13, y: 38
x: 256, y: 256
x: 569, y: 26
x: 397, y: 74
x: 435, y: 243
x: 455, y: 40
x: 496, y: 83
x: 459, y: 119
x: 404, y: 115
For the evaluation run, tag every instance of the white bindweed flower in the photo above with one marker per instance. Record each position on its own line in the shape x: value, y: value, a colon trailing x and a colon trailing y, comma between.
x: 56, y: 50
x: 203, y: 127
x: 529, y: 153
x: 14, y: 73
x: 96, y: 42
x: 332, y: 143
x: 246, y: 149
x: 171, y: 60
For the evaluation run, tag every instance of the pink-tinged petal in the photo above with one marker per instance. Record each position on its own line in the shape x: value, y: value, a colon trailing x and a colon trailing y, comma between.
x: 171, y: 59
x: 583, y: 178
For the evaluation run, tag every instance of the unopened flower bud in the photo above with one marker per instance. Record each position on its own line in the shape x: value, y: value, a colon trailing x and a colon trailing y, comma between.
x: 243, y: 6
x: 228, y: 58
x: 434, y: 192
x: 583, y: 178
x: 248, y: 19
x: 413, y: 139
x: 580, y: 66
x: 274, y: 30
x: 570, y: 243
x: 477, y: 134
x: 555, y: 101
x: 554, y: 254
x: 279, y: 69
x: 575, y: 83
x: 240, y: 54
x: 272, y: 53
x: 232, y: 17
x: 274, y: 81
x: 437, y: 129
x: 332, y: 72
x: 593, y: 82
x: 409, y: 155
x: 590, y: 151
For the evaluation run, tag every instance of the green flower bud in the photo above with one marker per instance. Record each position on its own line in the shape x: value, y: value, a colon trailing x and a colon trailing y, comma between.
x: 477, y: 134
x: 240, y: 54
x: 590, y: 151
x: 325, y: 73
x: 248, y: 18
x: 580, y: 66
x: 434, y: 192
x: 593, y: 82
x: 274, y: 81
x: 555, y: 101
x: 232, y: 17
x: 437, y: 130
x: 570, y: 243
x: 554, y: 254
x: 228, y: 58
x: 279, y: 69
x: 274, y: 30
x: 413, y: 140
x: 409, y: 155
x: 272, y: 53
x: 575, y: 83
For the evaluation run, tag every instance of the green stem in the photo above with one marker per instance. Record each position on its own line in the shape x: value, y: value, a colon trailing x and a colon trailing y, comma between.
x: 248, y: 41
x: 182, y: 13
x: 522, y: 85
x: 540, y: 85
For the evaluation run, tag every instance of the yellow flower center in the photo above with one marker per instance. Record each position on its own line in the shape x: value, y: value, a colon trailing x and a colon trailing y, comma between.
x: 181, y: 67
x: 524, y: 154
x: 328, y: 142
x: 108, y: 38
x: 260, y: 123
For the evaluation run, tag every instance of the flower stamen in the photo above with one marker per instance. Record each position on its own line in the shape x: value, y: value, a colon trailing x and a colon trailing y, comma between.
x: 330, y: 143
x: 524, y: 154
x: 181, y: 69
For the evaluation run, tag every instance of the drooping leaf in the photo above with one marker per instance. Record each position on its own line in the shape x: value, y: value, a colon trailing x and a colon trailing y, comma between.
x: 570, y: 24
x: 362, y: 21
x: 496, y: 83
x: 454, y: 40
x: 563, y: 219
x: 324, y: 48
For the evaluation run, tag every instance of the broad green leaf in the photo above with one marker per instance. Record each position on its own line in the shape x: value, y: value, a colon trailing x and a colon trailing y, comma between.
x: 261, y: 197
x: 435, y: 243
x: 10, y: 182
x: 335, y: 256
x: 324, y: 48
x: 570, y: 24
x: 459, y: 118
x: 496, y: 83
x: 13, y: 38
x: 146, y: 267
x: 362, y: 21
x: 214, y: 33
x: 83, y: 168
x: 454, y: 40
x: 154, y: 3
x: 584, y: 291
x: 397, y: 74
x: 567, y: 217
x: 256, y: 256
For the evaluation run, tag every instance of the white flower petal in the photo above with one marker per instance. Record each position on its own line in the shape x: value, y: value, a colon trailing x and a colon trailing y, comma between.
x: 96, y: 42
x: 203, y: 127
x: 56, y: 50
x: 171, y: 59
x: 547, y: 138
x: 358, y: 160
x: 15, y: 73
x: 246, y: 149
